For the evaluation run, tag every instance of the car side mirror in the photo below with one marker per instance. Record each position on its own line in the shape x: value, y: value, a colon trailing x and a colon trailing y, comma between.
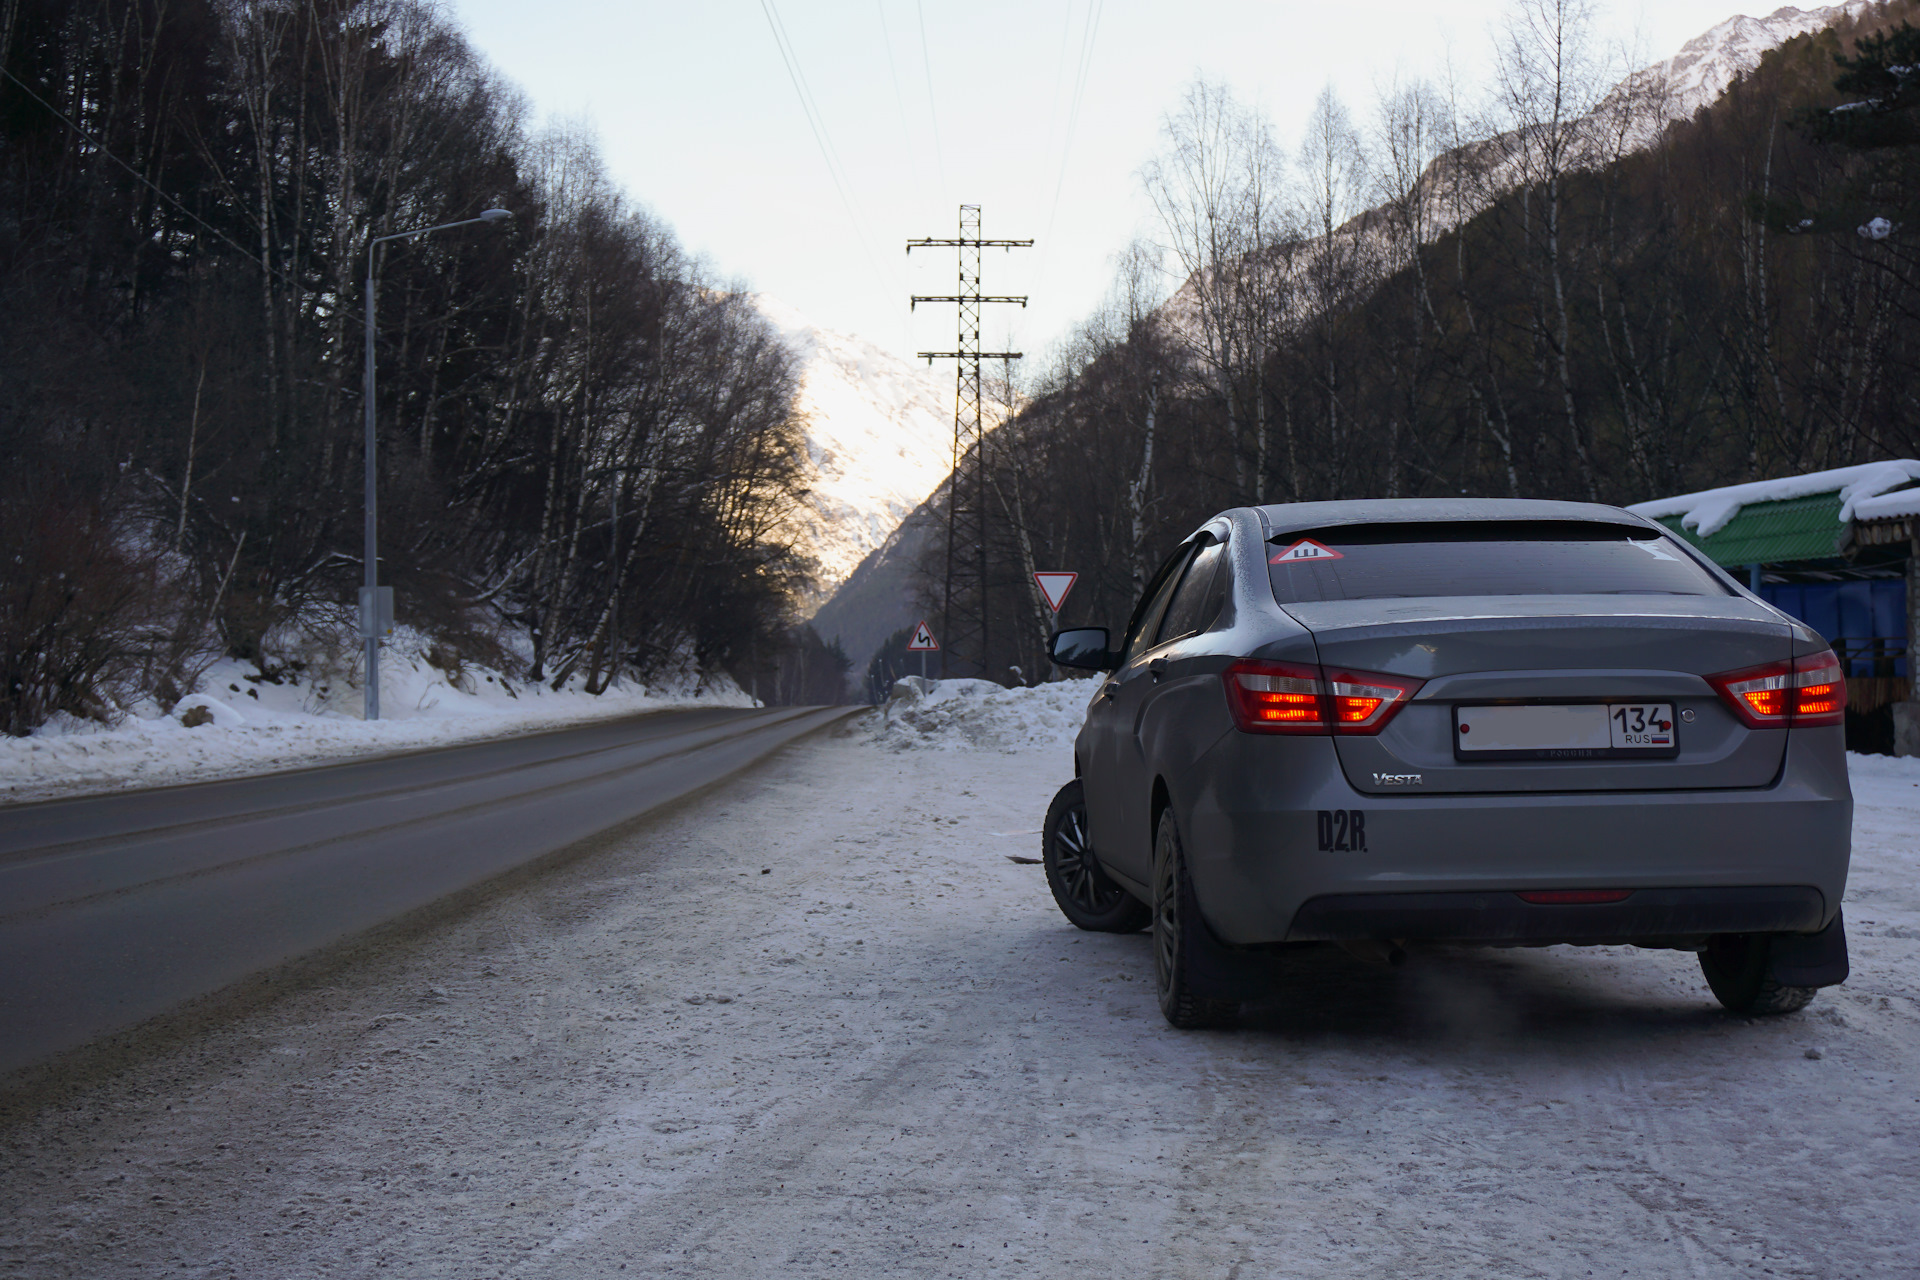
x: 1083, y: 647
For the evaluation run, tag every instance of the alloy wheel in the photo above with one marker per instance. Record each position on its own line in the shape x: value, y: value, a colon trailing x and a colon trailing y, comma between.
x: 1166, y: 920
x: 1080, y: 875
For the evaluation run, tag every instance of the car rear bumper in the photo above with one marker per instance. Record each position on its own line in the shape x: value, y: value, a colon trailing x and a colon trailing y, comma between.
x: 1258, y: 812
x: 1647, y: 915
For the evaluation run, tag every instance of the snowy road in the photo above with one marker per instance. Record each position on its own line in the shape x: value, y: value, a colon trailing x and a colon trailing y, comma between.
x: 817, y: 1023
x: 118, y: 907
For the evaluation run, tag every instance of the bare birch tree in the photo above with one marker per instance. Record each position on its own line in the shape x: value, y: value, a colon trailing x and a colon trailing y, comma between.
x: 1217, y: 187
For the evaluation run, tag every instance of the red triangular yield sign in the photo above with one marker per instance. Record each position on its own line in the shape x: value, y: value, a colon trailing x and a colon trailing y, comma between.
x: 922, y: 639
x: 1054, y: 586
x: 1305, y: 549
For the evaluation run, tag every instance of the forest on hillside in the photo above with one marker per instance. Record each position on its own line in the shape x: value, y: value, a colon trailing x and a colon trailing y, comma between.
x: 1556, y: 292
x: 587, y: 445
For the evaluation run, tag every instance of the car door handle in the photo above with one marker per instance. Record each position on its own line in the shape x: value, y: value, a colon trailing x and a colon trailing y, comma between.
x: 1157, y: 668
x: 1110, y: 688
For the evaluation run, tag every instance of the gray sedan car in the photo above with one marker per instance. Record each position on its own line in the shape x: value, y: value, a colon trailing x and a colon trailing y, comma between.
x: 1491, y: 722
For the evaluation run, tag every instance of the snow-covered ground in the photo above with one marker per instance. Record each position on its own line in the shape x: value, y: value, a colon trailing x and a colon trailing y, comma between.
x: 959, y: 715
x: 260, y: 726
x: 819, y: 1023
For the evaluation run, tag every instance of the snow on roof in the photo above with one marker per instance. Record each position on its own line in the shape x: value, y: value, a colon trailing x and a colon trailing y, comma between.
x: 1887, y: 506
x: 1711, y: 510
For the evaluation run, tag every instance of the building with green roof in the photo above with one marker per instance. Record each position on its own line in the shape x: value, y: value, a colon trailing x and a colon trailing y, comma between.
x: 1840, y: 551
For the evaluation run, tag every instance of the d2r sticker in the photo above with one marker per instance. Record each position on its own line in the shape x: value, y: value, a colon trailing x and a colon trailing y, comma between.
x: 1343, y: 831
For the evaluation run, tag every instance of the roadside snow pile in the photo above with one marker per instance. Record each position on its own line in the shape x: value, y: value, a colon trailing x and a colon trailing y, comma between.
x: 241, y: 722
x: 961, y: 715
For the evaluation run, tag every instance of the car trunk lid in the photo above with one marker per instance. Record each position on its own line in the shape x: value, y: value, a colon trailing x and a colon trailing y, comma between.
x: 1552, y: 650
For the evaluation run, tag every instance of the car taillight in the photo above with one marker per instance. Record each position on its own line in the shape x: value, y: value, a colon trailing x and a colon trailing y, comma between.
x: 1819, y: 691
x: 1276, y: 697
x: 1293, y: 697
x: 1806, y: 693
x: 1364, y: 701
x: 1758, y: 695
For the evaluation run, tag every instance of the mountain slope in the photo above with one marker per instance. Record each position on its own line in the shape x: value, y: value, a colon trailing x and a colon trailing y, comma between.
x: 878, y: 598
x: 1708, y: 64
x: 879, y: 440
x: 1631, y: 117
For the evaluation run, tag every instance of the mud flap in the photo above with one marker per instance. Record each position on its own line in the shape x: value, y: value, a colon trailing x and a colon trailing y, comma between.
x: 1810, y: 959
x: 1221, y: 972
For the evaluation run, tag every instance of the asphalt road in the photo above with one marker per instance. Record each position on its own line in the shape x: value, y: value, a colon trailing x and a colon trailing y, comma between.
x: 891, y: 1056
x: 118, y: 908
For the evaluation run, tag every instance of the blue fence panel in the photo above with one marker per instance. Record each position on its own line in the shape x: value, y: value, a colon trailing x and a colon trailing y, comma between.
x: 1856, y: 620
x: 1851, y: 615
x: 1890, y: 614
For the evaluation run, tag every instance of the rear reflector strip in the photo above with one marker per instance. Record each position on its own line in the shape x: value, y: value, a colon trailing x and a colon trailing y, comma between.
x: 1573, y: 897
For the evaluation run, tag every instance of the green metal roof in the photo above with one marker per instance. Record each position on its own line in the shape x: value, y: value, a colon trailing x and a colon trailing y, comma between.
x: 1771, y: 532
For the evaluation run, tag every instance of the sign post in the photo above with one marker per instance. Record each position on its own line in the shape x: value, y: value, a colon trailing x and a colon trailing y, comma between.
x: 923, y: 643
x: 1054, y: 586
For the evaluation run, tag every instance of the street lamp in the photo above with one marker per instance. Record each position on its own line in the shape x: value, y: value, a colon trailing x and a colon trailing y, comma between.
x: 370, y: 595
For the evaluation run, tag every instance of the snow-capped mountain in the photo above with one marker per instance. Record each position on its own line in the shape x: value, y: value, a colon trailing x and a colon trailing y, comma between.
x: 1709, y: 63
x: 879, y: 439
x: 1636, y: 112
x: 1630, y: 117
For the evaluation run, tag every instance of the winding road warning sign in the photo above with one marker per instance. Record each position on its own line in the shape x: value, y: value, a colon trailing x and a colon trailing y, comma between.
x: 1054, y: 586
x: 923, y: 640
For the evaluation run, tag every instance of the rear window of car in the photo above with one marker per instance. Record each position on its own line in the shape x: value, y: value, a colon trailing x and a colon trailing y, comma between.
x: 1495, y: 558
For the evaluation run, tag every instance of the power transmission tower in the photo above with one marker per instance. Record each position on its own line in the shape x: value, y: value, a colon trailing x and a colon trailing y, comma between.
x: 964, y: 627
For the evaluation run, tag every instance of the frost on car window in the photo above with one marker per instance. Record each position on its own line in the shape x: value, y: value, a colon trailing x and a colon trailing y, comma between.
x: 1373, y: 562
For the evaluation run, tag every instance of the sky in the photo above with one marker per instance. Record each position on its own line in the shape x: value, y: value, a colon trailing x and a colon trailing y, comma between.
x: 1040, y: 112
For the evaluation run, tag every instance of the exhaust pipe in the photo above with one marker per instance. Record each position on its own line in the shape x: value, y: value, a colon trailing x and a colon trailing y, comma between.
x: 1375, y: 951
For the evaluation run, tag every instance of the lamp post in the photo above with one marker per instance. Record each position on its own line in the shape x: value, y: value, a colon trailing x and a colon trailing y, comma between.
x: 370, y: 603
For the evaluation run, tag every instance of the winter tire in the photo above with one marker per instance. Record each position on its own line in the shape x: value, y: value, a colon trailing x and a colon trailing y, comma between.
x: 1081, y: 890
x: 1736, y: 968
x: 1178, y: 935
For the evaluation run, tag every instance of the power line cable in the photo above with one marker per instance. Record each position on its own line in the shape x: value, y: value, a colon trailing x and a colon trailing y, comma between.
x: 817, y: 123
x: 1059, y: 82
x: 933, y: 112
x: 1053, y: 128
x: 101, y: 147
x: 904, y: 328
x: 899, y: 98
x: 805, y: 88
x: 1090, y: 35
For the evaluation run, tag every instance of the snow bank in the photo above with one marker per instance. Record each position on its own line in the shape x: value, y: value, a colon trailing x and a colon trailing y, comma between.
x: 261, y: 725
x: 960, y: 715
x: 1711, y: 510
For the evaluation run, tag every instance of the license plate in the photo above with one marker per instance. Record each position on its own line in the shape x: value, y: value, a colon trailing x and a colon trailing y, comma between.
x: 1578, y: 731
